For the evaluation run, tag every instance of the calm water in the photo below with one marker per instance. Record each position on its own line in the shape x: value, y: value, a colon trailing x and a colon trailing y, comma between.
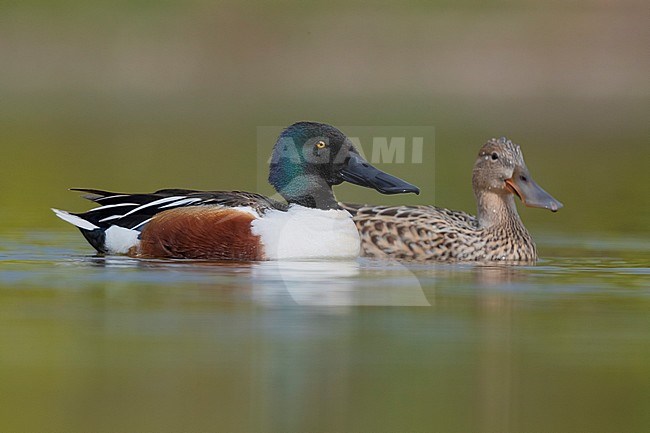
x: 116, y: 344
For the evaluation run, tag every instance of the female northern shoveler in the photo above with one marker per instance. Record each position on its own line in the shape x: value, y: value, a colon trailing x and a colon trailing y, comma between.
x: 433, y: 233
x: 308, y: 158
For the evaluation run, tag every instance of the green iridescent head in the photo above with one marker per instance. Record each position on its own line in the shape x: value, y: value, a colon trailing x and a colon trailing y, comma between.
x: 309, y: 158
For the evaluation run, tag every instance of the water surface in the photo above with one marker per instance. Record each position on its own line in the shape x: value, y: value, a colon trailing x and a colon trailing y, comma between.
x: 117, y: 344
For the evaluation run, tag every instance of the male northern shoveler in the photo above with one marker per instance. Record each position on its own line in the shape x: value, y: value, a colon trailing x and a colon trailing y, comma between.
x: 307, y: 160
x: 433, y: 233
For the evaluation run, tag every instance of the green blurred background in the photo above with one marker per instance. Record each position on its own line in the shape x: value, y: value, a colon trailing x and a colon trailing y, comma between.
x: 138, y: 95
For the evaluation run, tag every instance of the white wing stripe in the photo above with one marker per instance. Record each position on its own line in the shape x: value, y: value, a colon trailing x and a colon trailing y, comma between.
x: 181, y: 202
x: 176, y: 201
x: 109, y: 206
x: 110, y: 218
x: 111, y: 196
x: 141, y: 224
x: 154, y: 203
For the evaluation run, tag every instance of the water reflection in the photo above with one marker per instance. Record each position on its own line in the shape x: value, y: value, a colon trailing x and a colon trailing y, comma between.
x: 337, y: 284
x: 498, y: 275
x: 307, y: 283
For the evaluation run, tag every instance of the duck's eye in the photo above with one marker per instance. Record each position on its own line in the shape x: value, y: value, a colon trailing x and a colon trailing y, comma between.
x: 320, y: 145
x: 495, y: 156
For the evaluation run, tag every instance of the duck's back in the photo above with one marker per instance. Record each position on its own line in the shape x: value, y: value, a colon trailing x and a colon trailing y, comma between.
x: 416, y: 232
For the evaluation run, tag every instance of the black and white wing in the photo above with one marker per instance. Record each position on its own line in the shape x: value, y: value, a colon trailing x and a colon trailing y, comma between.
x: 133, y: 211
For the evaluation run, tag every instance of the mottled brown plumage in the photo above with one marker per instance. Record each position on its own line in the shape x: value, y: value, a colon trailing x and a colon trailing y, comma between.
x: 433, y: 233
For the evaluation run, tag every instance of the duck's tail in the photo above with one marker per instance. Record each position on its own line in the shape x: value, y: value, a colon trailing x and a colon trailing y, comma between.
x: 96, y: 236
x: 75, y: 220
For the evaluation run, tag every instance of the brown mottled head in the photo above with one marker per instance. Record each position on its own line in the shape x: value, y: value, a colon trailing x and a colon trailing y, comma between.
x: 500, y: 169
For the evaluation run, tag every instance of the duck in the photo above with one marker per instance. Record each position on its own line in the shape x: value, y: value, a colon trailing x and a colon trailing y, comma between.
x: 303, y: 221
x: 496, y: 233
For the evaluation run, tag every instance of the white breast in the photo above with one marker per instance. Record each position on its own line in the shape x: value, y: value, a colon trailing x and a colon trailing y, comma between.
x: 306, y: 233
